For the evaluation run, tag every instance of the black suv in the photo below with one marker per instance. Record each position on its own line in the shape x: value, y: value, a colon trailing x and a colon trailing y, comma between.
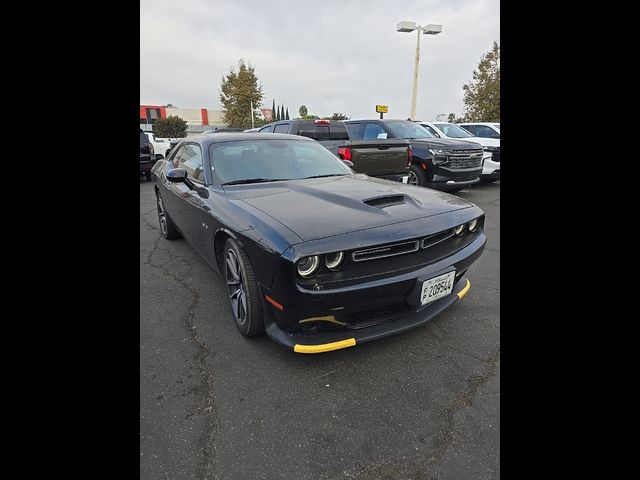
x: 147, y: 156
x: 439, y: 163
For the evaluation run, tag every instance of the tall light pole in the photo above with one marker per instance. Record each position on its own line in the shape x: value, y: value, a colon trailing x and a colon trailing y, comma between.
x: 429, y: 29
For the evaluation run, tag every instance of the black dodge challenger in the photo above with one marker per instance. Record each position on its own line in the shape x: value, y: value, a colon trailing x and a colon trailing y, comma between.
x: 317, y: 256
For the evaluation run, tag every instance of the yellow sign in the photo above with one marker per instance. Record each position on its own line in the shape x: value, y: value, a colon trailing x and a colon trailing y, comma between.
x: 382, y: 108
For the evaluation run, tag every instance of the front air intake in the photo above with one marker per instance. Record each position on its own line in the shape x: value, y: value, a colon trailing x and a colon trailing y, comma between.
x: 386, y: 201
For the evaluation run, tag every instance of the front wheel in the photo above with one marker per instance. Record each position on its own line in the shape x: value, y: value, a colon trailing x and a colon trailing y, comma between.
x: 167, y: 227
x: 417, y: 176
x: 243, y: 290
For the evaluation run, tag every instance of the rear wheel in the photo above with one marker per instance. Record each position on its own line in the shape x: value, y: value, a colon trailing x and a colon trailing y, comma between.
x: 417, y: 176
x: 243, y: 290
x: 167, y: 227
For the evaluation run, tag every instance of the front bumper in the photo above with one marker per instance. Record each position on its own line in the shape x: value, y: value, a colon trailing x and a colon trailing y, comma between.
x: 335, y: 340
x: 366, y: 311
x: 489, y: 167
x: 449, y: 178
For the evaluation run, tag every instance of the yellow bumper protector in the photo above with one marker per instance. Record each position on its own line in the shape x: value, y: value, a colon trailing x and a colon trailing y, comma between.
x: 324, y: 347
x: 464, y: 291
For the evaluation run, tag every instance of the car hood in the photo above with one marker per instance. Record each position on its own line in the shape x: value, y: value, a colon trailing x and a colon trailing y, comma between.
x: 441, y: 142
x: 323, y: 207
x: 485, y: 142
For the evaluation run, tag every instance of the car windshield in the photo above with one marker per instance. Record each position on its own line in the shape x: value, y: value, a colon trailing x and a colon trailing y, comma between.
x: 143, y: 139
x: 252, y: 161
x: 453, y: 131
x: 407, y: 129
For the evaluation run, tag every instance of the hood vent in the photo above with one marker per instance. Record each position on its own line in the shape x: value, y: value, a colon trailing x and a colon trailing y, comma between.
x: 386, y: 201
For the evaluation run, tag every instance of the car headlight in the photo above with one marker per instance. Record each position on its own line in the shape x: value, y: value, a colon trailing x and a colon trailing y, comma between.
x: 307, y: 266
x: 439, y: 151
x: 473, y: 225
x: 333, y: 261
x: 459, y: 230
x: 490, y: 149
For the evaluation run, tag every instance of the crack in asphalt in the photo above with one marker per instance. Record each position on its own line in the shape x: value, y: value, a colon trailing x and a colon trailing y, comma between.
x: 446, y: 434
x: 202, y: 350
x: 463, y: 399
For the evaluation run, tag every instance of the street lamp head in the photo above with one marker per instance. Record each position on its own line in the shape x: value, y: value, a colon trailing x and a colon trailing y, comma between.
x: 432, y: 29
x: 406, y: 27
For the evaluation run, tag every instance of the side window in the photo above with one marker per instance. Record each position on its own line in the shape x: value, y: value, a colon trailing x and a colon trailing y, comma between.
x: 266, y: 129
x: 355, y: 130
x: 176, y: 157
x: 432, y: 130
x: 191, y: 160
x: 470, y: 128
x: 371, y: 131
x: 281, y: 128
x: 487, y: 132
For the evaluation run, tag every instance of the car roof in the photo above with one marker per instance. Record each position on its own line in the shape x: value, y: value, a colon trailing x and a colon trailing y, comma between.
x: 479, y: 123
x: 208, y: 138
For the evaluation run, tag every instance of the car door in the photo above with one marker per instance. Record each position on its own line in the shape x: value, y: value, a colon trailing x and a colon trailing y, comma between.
x: 188, y: 202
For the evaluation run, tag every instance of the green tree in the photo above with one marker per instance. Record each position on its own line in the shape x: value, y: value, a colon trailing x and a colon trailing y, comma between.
x: 273, y: 110
x: 237, y: 91
x: 170, y: 127
x: 286, y: 115
x: 303, y: 111
x: 338, y: 116
x: 482, y: 94
x: 451, y: 118
x: 277, y: 114
x: 281, y: 112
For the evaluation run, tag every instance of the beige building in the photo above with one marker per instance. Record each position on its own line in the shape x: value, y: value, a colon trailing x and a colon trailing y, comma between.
x: 198, y: 119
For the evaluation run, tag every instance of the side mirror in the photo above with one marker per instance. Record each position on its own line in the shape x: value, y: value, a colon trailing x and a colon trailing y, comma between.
x: 177, y: 175
x: 348, y: 163
x: 382, y: 136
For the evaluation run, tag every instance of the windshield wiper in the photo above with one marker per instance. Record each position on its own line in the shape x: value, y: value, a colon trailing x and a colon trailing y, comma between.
x: 328, y: 175
x: 254, y: 180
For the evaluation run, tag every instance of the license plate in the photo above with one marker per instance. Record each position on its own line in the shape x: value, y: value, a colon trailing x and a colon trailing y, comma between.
x: 437, y: 287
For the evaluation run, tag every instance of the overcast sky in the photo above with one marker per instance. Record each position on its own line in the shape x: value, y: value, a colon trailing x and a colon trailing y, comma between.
x: 330, y: 55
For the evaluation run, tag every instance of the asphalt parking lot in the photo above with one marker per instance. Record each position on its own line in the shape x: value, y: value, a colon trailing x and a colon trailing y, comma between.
x: 424, y: 404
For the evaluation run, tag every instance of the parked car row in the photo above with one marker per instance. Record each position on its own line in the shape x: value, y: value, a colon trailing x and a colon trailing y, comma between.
x: 438, y: 155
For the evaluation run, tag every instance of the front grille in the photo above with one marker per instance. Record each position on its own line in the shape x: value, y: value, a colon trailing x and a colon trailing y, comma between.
x: 437, y: 238
x: 386, y: 251
x: 468, y: 158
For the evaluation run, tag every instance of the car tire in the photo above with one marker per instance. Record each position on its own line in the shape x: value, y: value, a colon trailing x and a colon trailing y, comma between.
x: 168, y: 229
x: 417, y: 174
x: 242, y: 288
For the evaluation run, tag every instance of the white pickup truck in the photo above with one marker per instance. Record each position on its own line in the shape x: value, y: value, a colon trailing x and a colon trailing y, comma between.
x: 162, y: 146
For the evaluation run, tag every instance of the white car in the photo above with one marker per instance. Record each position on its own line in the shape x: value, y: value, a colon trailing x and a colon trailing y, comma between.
x: 491, y: 146
x: 482, y: 129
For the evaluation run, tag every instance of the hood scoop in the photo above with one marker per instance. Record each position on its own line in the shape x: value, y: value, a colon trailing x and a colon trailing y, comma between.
x: 386, y: 201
